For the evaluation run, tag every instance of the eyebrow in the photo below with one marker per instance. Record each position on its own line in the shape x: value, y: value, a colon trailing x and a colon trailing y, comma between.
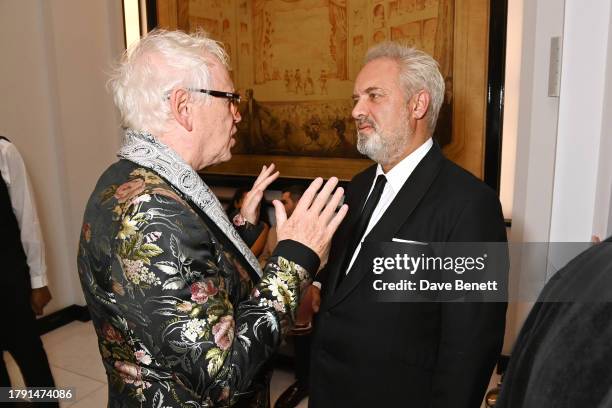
x: 372, y: 89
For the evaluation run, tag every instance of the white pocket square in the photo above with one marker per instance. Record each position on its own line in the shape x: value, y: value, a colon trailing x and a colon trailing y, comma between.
x: 407, y: 241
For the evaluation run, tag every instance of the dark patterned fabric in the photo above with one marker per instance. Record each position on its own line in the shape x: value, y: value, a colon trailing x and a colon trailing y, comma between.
x: 179, y: 318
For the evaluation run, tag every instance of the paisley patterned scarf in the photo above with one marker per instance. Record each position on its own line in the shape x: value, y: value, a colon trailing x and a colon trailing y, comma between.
x: 143, y: 149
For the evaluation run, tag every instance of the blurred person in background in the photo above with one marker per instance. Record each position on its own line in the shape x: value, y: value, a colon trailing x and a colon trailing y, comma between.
x: 24, y: 275
x: 233, y: 211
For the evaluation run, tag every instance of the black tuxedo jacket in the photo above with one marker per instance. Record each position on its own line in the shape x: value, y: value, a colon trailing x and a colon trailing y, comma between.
x: 369, y: 354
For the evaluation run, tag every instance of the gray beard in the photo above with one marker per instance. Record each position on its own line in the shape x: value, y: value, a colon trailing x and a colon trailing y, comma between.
x: 378, y: 148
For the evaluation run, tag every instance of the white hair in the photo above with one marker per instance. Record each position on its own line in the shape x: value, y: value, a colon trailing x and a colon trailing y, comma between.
x: 418, y: 71
x: 154, y: 66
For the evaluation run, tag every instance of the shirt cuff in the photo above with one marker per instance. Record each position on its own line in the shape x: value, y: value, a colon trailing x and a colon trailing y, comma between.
x: 300, y: 254
x: 38, y: 281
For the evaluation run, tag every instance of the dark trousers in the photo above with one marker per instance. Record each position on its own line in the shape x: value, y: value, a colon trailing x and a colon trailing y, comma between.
x: 302, y: 358
x: 20, y: 336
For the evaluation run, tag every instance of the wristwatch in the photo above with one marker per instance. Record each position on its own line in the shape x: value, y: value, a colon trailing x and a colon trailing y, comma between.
x: 239, y: 220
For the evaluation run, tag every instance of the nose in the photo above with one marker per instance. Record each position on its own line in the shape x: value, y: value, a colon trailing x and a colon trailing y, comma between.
x: 359, y: 109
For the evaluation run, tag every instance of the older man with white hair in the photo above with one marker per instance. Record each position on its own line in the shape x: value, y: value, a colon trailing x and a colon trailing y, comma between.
x: 184, y: 314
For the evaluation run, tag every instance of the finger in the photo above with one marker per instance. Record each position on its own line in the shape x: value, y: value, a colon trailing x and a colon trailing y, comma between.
x: 335, y: 222
x: 261, y: 174
x: 265, y: 172
x: 281, y: 214
x: 263, y: 185
x: 308, y: 196
x: 323, y: 195
x: 332, y: 204
x: 315, y: 305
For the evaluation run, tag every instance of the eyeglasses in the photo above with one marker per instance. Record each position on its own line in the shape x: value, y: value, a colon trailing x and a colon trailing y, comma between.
x: 234, y: 98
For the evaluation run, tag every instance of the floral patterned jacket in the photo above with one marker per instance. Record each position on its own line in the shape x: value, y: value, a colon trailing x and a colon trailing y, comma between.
x: 180, y: 320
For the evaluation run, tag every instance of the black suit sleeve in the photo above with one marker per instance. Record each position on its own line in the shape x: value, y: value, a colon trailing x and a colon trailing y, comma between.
x: 471, y: 334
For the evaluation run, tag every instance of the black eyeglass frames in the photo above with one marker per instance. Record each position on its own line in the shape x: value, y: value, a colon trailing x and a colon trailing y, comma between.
x: 234, y: 98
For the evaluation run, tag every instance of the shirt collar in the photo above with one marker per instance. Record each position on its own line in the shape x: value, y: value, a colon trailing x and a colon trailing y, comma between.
x: 397, y: 176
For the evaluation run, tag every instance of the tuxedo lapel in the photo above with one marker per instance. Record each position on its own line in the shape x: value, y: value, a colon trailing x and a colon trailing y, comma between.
x: 356, y: 200
x: 408, y: 197
x: 395, y: 216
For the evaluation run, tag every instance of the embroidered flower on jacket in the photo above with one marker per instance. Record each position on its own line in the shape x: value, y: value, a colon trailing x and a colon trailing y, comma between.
x: 193, y: 329
x: 275, y: 304
x: 87, y: 232
x: 184, y: 307
x: 201, y: 291
x: 137, y: 273
x: 131, y: 374
x: 279, y: 288
x: 143, y: 198
x: 143, y: 357
x: 111, y: 334
x: 128, y: 228
x: 224, y: 332
x: 129, y: 189
x: 149, y: 177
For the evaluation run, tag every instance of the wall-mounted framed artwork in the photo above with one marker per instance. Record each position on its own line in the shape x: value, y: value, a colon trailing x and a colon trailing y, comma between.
x: 295, y: 62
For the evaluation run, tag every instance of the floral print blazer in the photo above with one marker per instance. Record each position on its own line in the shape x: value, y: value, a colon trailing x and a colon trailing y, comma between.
x: 180, y: 320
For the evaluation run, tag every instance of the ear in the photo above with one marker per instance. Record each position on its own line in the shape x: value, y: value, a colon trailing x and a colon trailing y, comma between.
x: 420, y: 105
x: 181, y: 108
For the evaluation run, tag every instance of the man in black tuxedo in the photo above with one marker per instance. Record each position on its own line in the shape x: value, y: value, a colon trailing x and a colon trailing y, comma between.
x: 430, y: 354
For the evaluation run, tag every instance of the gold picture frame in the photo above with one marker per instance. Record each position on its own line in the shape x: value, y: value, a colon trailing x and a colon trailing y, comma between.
x: 464, y: 64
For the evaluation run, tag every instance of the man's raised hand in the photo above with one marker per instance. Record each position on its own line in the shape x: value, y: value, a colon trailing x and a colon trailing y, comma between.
x: 314, y: 220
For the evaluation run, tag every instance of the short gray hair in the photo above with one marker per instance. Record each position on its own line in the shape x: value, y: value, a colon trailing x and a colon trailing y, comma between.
x: 152, y: 67
x: 418, y: 70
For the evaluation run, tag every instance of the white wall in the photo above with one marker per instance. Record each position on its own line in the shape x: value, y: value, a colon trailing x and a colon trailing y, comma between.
x: 536, y: 134
x: 581, y: 121
x: 55, y: 109
x: 563, y: 176
x: 602, y: 219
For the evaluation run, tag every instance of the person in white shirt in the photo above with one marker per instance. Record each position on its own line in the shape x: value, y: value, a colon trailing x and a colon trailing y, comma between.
x: 24, y: 277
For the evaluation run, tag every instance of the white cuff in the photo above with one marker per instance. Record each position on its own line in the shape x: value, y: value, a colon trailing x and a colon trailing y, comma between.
x: 38, y: 281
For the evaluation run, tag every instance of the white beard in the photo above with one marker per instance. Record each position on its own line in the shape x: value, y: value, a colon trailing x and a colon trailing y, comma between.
x: 382, y: 148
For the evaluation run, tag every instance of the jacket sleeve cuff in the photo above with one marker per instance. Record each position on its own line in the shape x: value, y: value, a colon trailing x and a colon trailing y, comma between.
x: 298, y: 253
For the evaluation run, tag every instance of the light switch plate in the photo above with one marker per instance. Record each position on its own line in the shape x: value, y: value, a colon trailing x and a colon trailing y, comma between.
x: 554, y: 69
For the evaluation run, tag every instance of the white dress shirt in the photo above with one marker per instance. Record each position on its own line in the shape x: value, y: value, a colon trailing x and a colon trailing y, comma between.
x: 396, y: 178
x: 16, y: 178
